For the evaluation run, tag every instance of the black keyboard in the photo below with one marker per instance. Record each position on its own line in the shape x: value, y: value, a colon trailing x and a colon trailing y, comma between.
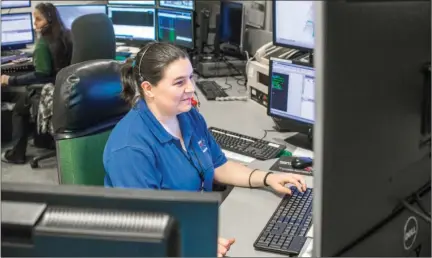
x: 211, y: 90
x: 246, y: 145
x: 285, y: 232
x: 11, y: 53
x: 17, y: 69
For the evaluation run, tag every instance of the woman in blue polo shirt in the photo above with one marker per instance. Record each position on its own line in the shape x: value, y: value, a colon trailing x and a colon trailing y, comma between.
x: 163, y: 143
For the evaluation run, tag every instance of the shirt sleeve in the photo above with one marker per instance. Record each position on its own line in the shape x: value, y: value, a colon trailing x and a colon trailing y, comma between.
x: 132, y: 167
x: 218, y: 157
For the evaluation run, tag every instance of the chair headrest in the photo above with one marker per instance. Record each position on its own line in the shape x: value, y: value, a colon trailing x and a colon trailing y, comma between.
x: 87, y: 95
x: 93, y: 38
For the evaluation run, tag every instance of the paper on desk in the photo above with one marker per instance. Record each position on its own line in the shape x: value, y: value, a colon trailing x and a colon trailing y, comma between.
x: 307, y: 250
x: 310, y: 232
x: 299, y: 152
x: 238, y: 157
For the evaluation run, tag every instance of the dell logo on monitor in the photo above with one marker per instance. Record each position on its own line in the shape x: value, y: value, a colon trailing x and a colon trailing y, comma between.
x: 410, y: 232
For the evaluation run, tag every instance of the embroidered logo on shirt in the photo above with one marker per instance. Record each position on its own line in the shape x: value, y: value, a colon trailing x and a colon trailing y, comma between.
x: 202, y: 145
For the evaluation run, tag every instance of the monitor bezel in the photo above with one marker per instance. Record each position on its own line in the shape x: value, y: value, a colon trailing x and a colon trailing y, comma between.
x: 243, y: 25
x: 278, y: 44
x: 11, y: 46
x: 175, y: 7
x: 74, y: 5
x: 15, y: 7
x: 293, y: 124
x: 129, y: 5
x: 145, y: 200
x: 135, y: 41
x: 192, y: 13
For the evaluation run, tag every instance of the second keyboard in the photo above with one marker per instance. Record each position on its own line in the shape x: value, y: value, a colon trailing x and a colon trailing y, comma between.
x: 211, y: 90
x: 246, y: 145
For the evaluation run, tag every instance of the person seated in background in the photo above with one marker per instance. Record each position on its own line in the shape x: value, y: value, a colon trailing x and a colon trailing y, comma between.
x: 163, y: 143
x: 52, y: 52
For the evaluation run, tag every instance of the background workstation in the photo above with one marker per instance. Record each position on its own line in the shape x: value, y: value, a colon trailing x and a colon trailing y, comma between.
x: 244, y: 107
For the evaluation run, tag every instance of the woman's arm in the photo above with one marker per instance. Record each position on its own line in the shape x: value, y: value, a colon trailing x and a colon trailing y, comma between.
x: 233, y: 173
x: 43, y: 67
x: 236, y: 174
x: 29, y: 78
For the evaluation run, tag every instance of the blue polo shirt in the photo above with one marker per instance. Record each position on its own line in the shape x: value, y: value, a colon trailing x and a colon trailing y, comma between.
x: 140, y: 153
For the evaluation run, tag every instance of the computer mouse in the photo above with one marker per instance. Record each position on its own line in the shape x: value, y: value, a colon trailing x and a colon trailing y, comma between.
x: 301, y: 162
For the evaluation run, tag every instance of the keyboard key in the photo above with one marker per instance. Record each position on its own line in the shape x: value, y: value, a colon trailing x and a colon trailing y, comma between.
x: 297, y: 244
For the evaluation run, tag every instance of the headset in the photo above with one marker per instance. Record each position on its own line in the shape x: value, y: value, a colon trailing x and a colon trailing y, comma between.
x: 46, y: 12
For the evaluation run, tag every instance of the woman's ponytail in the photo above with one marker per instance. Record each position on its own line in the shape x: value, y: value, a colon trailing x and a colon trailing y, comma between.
x: 130, y: 89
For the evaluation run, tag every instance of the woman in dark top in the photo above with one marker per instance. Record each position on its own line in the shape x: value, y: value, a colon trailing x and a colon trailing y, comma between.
x: 52, y: 52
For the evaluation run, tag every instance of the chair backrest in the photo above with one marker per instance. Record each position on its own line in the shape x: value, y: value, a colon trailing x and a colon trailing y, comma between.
x: 86, y: 106
x: 93, y: 38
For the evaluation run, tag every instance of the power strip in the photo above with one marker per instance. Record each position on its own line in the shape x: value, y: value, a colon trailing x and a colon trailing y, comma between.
x: 241, y: 98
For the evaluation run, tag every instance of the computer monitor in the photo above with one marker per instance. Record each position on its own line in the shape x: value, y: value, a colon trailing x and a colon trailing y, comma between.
x: 176, y: 27
x: 291, y: 99
x: 17, y: 31
x: 371, y: 150
x: 293, y: 24
x: 83, y: 221
x: 187, y: 4
x: 5, y: 4
x: 148, y: 3
x: 68, y: 13
x: 231, y: 25
x: 133, y: 25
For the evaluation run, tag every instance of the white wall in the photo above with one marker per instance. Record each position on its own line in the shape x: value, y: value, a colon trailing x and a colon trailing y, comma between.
x: 34, y: 3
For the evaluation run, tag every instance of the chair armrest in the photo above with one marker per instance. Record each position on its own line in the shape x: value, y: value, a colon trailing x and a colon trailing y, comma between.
x: 35, y: 86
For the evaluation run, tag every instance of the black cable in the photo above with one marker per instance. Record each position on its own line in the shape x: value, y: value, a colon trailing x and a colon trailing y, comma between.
x: 243, y: 76
x: 417, y: 198
x: 416, y: 212
x: 267, y: 131
x: 262, y: 138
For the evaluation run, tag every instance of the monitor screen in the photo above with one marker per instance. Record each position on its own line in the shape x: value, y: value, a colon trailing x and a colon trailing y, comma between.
x: 150, y: 2
x: 133, y: 23
x: 292, y: 91
x: 14, y: 4
x: 231, y: 23
x: 68, y: 13
x: 293, y: 24
x: 187, y: 4
x: 176, y: 27
x: 17, y: 29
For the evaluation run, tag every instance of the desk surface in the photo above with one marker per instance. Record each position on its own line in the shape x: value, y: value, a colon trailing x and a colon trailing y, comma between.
x: 245, y: 212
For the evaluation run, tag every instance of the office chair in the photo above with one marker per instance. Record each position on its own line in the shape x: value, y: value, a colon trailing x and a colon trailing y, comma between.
x: 88, y: 45
x: 87, y: 105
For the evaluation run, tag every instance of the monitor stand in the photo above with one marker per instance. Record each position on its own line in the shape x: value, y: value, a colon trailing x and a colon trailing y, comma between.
x: 300, y: 140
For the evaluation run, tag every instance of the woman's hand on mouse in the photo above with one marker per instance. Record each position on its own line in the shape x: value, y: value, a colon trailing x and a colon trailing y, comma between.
x: 278, y: 182
x: 224, y: 246
x: 4, y: 80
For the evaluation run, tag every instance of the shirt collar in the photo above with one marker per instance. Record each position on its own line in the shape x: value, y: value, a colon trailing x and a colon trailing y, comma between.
x: 158, y: 130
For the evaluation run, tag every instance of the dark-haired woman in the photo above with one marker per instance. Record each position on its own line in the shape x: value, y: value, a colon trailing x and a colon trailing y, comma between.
x: 52, y: 52
x: 163, y: 143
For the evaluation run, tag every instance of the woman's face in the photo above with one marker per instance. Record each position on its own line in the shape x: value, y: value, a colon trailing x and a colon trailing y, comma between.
x: 39, y: 20
x: 173, y: 94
